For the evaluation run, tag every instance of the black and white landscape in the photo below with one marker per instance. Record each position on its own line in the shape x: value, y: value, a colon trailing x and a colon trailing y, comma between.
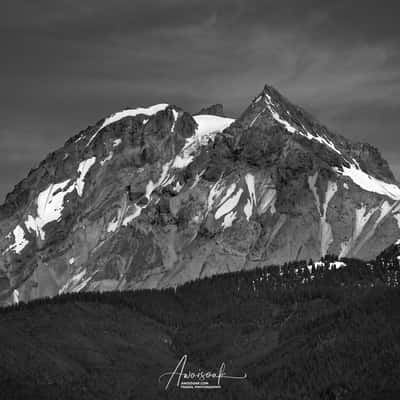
x: 253, y: 249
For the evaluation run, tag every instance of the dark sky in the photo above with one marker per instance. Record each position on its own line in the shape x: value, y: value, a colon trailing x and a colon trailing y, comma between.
x: 67, y: 63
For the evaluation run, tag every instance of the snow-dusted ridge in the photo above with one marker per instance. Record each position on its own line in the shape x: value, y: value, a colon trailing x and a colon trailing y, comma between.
x: 292, y: 129
x: 152, y: 110
x: 354, y: 172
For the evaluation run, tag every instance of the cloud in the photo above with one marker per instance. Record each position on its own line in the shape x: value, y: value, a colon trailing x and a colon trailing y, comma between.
x: 71, y: 63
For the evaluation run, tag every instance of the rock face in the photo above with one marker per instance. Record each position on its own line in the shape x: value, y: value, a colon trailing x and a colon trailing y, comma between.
x: 154, y: 197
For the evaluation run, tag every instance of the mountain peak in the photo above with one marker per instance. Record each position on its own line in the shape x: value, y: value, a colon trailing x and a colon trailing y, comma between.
x: 271, y: 90
x: 271, y: 117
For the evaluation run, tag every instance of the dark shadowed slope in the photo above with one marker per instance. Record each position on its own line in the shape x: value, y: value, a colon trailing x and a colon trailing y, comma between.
x: 332, y: 337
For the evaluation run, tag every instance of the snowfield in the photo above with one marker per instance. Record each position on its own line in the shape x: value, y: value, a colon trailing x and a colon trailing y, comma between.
x: 368, y: 182
x: 207, y: 127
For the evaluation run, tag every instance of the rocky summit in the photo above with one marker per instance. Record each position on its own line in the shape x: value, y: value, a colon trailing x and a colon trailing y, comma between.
x: 154, y: 197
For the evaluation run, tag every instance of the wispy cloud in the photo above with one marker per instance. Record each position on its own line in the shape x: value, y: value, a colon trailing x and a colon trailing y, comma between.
x: 68, y: 64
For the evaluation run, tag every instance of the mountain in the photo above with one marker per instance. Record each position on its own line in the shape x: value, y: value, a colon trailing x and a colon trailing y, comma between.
x: 154, y: 197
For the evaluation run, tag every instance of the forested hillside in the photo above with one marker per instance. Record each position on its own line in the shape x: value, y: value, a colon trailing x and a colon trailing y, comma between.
x: 332, y: 333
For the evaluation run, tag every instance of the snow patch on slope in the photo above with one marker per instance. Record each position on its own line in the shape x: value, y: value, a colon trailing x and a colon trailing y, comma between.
x: 256, y: 117
x: 50, y: 202
x: 215, y: 191
x: 330, y: 192
x: 362, y: 216
x: 251, y: 202
x: 228, y: 220
x: 50, y: 205
x: 368, y: 182
x: 175, y: 114
x: 108, y: 158
x: 384, y: 210
x: 326, y: 236
x: 136, y: 212
x: 114, y: 224
x: 19, y: 241
x: 226, y: 198
x: 75, y: 284
x: 83, y: 169
x: 209, y: 124
x: 326, y: 229
x: 15, y: 296
x: 267, y: 197
x: 229, y: 204
x: 228, y: 194
x: 207, y: 127
x: 312, y: 181
x: 267, y: 201
x: 164, y: 180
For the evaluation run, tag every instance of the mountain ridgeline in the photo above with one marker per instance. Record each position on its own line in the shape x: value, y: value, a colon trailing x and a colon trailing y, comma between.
x: 155, y: 197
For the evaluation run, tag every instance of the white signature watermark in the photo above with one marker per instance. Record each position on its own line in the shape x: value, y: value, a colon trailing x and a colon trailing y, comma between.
x: 200, y: 379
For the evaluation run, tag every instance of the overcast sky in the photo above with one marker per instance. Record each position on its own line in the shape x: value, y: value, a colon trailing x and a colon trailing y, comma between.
x: 67, y: 63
